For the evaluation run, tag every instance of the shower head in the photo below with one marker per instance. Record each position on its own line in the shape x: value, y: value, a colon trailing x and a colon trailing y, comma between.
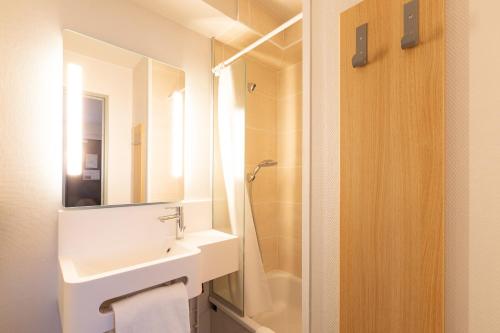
x: 262, y: 164
x: 251, y: 87
x: 267, y: 163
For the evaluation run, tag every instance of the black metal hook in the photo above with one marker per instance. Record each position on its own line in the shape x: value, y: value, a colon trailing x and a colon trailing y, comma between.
x: 411, y: 36
x: 360, y: 59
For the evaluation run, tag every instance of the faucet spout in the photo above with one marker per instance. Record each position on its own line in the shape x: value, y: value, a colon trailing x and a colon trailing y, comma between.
x: 179, y: 217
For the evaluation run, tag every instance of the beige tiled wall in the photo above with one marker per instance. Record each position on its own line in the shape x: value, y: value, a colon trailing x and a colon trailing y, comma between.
x: 257, y: 17
x: 289, y: 170
x: 274, y: 131
x: 261, y: 144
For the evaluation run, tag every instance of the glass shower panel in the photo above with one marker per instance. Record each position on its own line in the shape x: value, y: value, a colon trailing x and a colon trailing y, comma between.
x: 229, y: 173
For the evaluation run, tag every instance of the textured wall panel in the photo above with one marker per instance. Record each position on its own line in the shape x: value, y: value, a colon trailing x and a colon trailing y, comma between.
x: 30, y: 161
x: 457, y: 168
x: 484, y: 166
x: 325, y: 164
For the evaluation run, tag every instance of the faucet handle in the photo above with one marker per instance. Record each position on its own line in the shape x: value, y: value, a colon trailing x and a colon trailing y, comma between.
x: 181, y: 225
x: 179, y: 217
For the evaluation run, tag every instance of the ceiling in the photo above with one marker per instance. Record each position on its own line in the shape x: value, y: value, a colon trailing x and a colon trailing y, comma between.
x: 213, y: 18
x: 284, y: 9
x: 238, y: 23
x: 196, y: 15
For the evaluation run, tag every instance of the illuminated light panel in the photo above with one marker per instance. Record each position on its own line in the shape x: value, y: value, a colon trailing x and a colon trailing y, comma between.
x: 177, y: 134
x: 74, y: 109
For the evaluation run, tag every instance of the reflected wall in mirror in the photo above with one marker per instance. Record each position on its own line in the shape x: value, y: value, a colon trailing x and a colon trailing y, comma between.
x: 124, y: 121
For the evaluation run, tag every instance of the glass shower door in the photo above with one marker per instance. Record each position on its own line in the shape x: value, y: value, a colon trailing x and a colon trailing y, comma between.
x: 229, y: 174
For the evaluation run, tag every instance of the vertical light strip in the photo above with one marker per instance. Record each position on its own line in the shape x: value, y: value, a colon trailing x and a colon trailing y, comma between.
x: 177, y: 134
x: 74, y: 106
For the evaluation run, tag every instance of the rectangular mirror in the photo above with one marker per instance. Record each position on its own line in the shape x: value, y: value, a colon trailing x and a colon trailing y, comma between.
x: 123, y: 126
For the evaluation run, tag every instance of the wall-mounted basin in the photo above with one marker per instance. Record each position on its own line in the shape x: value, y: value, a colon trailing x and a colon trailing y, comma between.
x: 81, y: 269
x: 111, y: 253
x: 87, y: 283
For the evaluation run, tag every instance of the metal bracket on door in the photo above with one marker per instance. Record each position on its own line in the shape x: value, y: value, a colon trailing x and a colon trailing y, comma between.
x: 411, y: 36
x: 360, y: 59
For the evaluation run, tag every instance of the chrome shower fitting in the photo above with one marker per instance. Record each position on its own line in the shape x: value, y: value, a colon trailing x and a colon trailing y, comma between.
x: 262, y: 164
x: 251, y: 87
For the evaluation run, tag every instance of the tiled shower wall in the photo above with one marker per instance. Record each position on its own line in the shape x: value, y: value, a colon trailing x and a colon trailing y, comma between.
x: 274, y: 131
x: 289, y: 171
x: 261, y: 145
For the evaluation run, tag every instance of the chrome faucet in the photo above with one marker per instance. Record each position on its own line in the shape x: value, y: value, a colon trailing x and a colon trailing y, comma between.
x: 179, y: 216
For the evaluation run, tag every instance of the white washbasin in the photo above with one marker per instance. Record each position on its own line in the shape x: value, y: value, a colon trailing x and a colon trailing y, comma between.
x: 77, y: 270
x: 105, y: 254
x: 219, y: 252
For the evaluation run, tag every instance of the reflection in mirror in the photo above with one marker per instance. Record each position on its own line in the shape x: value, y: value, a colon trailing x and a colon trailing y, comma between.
x: 124, y: 120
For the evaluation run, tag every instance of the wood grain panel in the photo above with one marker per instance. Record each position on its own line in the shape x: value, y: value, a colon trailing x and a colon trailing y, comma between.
x: 392, y: 173
x: 139, y: 164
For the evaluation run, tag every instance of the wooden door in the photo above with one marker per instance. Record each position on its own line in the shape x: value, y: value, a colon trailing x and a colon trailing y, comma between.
x: 392, y: 173
x: 138, y: 165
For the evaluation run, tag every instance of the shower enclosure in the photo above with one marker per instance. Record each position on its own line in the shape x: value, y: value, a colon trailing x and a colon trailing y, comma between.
x: 257, y: 189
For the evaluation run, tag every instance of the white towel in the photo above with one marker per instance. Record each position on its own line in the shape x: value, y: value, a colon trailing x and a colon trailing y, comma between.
x: 162, y: 310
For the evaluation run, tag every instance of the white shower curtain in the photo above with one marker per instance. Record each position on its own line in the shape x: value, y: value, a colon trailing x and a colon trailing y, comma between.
x: 257, y: 294
x: 231, y: 125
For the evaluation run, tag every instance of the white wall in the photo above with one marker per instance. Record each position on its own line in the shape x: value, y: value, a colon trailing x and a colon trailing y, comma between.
x: 325, y: 164
x: 484, y: 163
x: 115, y: 82
x: 31, y: 133
x: 31, y: 164
x: 472, y: 171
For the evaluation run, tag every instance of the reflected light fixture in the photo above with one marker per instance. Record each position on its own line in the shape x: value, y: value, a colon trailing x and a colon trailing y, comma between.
x: 74, y: 109
x: 177, y: 134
